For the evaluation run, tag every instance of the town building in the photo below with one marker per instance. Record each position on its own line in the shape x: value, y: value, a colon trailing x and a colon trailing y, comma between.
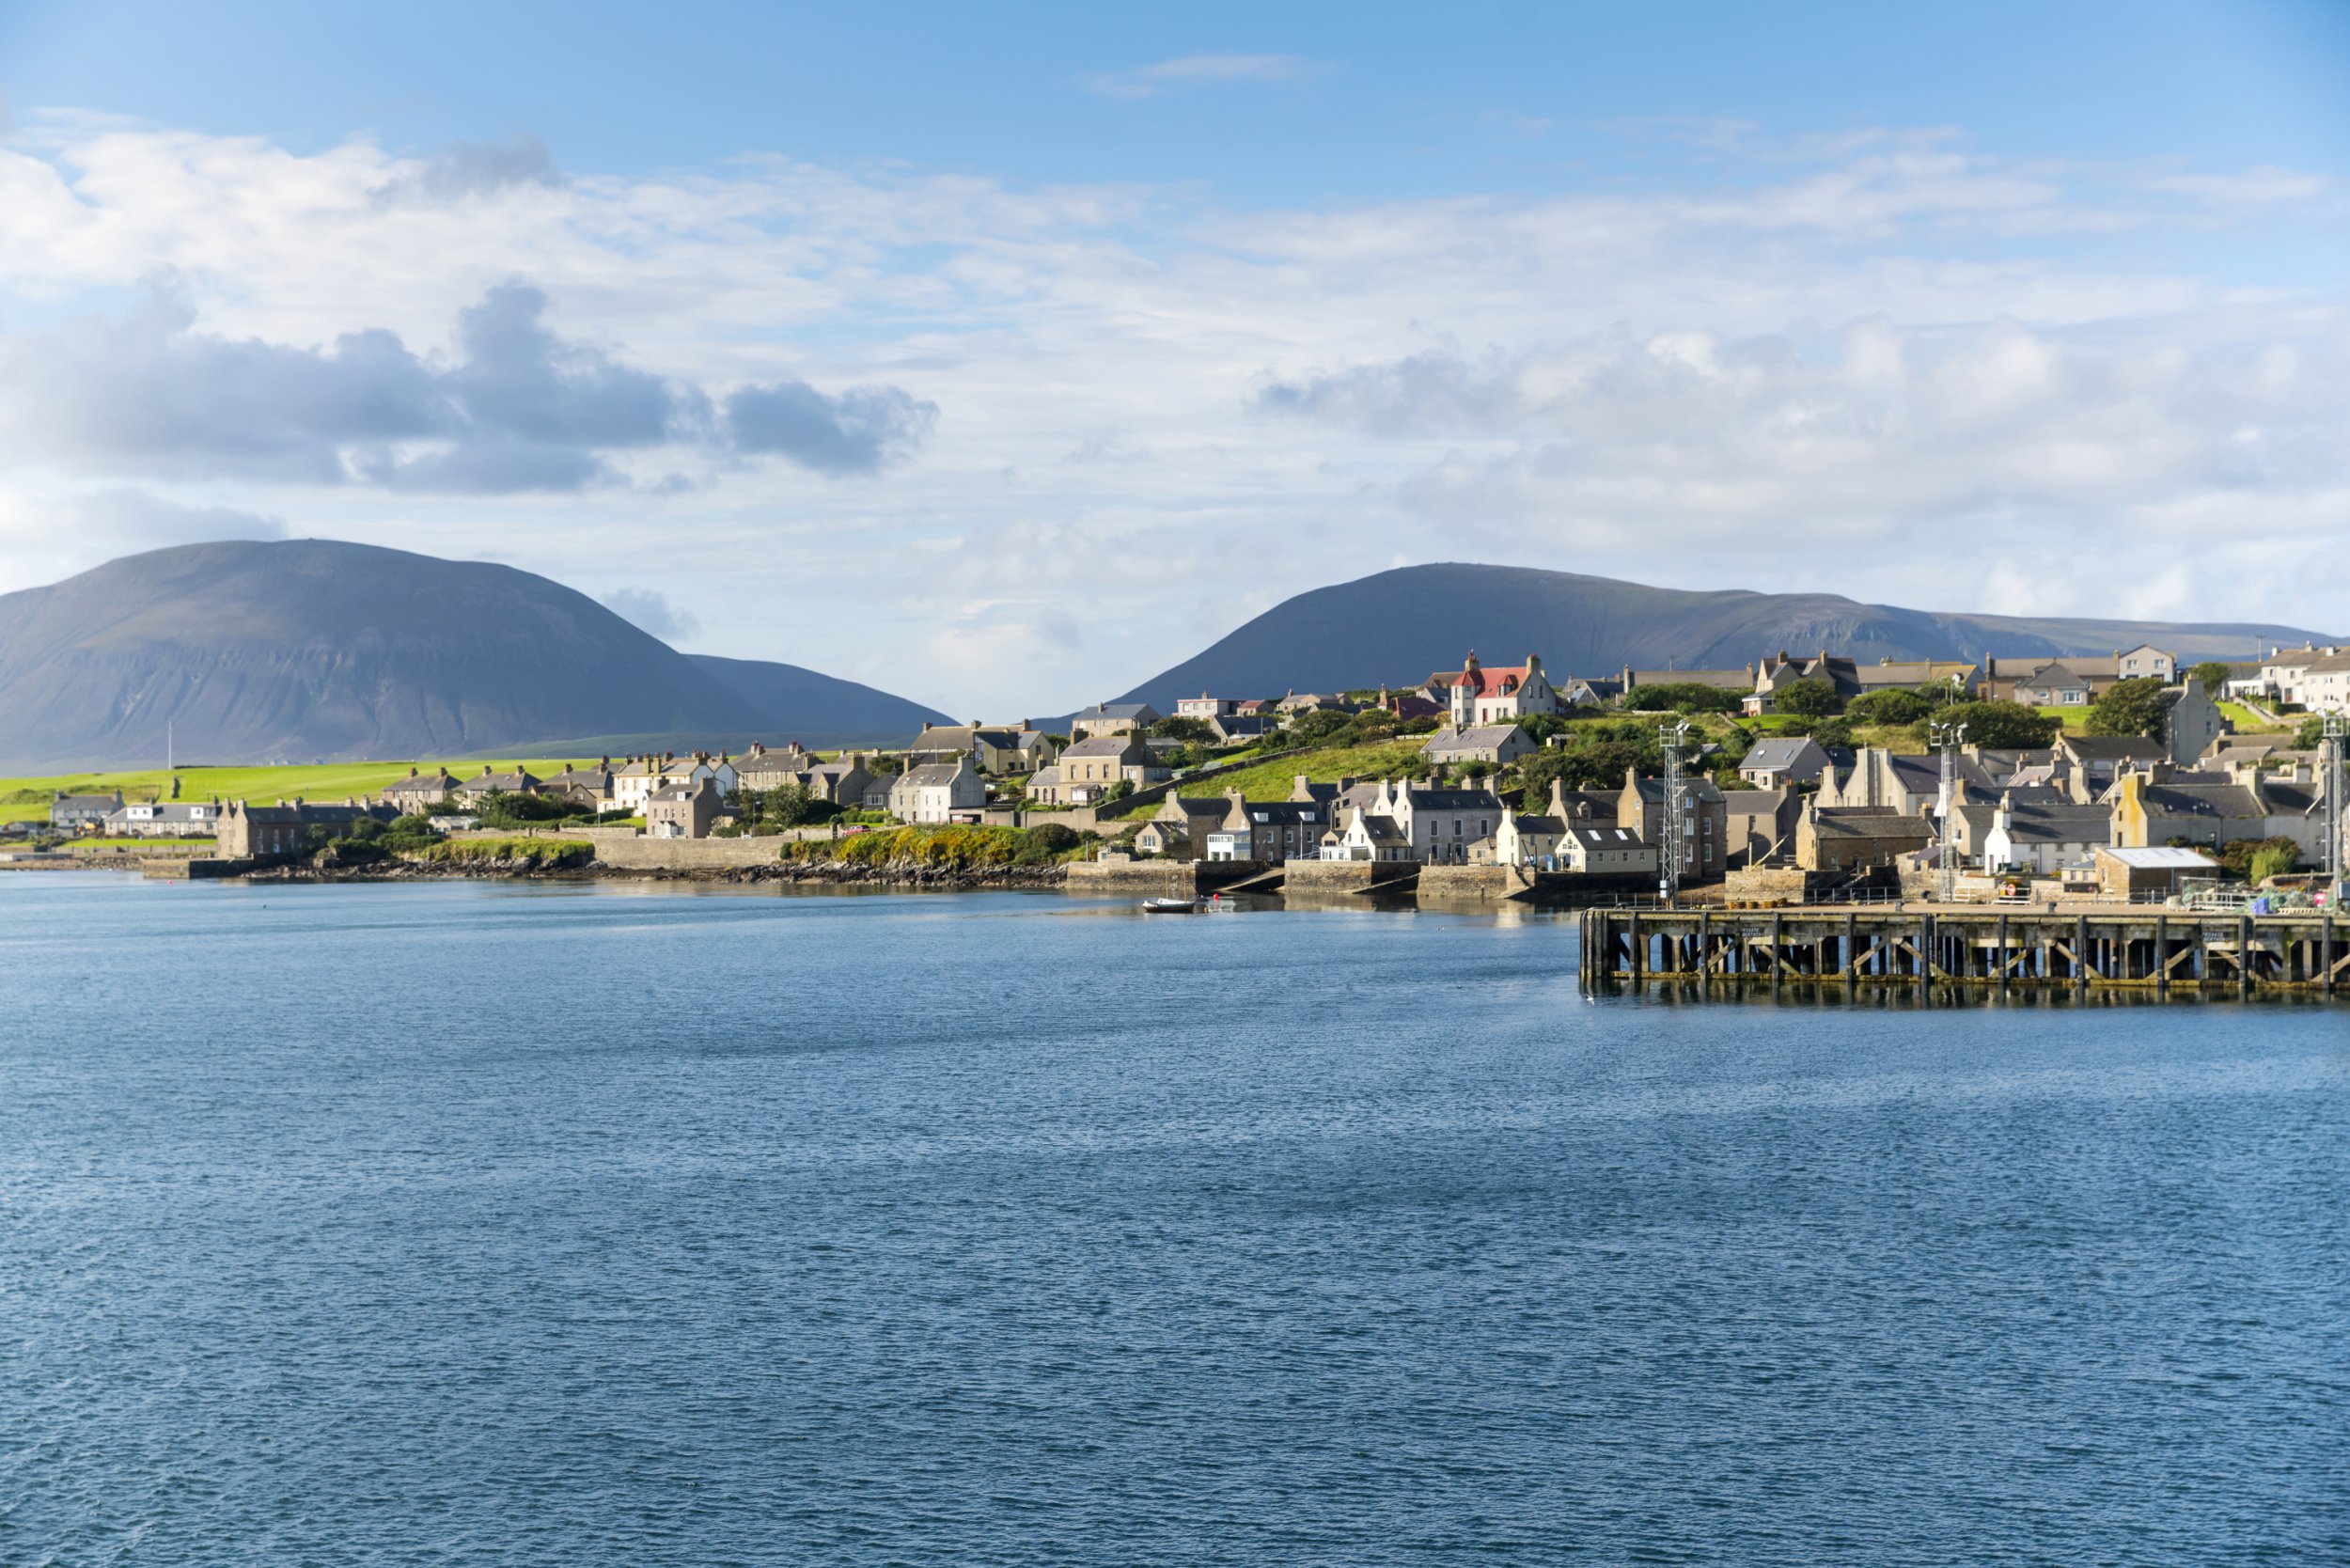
x: 1857, y: 838
x: 82, y: 814
x: 1704, y: 821
x: 1778, y: 761
x: 1494, y: 743
x: 164, y: 819
x: 1113, y: 719
x: 1605, y: 850
x: 937, y: 791
x: 416, y: 794
x: 1761, y: 826
x: 1091, y: 768
x: 683, y: 811
x: 1477, y: 695
x: 1268, y: 831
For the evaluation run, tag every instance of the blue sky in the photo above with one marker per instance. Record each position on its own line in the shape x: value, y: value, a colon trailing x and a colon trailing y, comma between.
x: 1054, y: 341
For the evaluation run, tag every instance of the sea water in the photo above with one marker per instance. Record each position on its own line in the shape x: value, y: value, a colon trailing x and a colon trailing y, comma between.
x: 491, y: 1223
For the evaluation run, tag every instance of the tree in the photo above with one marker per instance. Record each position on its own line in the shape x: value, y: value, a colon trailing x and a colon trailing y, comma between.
x: 2215, y: 674
x: 1185, y: 728
x: 1683, y: 696
x: 1835, y: 734
x: 1893, y: 705
x: 1997, y: 724
x: 1119, y: 791
x: 2132, y: 707
x: 1809, y: 697
x: 2312, y: 730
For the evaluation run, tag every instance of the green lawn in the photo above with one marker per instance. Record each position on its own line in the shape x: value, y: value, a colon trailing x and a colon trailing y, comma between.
x: 2248, y: 723
x: 1273, y: 780
x: 28, y: 798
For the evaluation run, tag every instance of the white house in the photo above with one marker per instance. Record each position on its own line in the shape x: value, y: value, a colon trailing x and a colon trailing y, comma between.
x: 935, y: 791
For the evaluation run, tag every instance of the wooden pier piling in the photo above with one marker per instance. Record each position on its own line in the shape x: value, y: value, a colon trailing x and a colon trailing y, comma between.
x: 1960, y: 945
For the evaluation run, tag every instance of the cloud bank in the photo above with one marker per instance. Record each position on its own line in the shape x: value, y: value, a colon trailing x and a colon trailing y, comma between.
x: 933, y: 430
x: 518, y: 408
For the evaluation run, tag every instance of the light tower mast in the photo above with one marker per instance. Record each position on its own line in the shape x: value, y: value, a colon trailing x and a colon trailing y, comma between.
x: 1670, y: 842
x: 1948, y: 737
x: 2331, y: 757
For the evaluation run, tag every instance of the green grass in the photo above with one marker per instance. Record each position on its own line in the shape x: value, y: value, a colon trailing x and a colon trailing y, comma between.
x: 28, y: 798
x: 2248, y: 723
x: 1273, y: 780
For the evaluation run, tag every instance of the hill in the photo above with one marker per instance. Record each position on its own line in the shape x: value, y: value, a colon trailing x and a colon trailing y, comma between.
x: 305, y: 648
x: 1398, y: 626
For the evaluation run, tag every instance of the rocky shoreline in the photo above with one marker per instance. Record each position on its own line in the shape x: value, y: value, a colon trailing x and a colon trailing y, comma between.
x: 829, y: 873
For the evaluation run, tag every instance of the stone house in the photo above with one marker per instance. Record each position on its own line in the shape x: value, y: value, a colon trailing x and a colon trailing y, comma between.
x: 1204, y: 707
x: 1777, y: 760
x: 1185, y: 822
x: 470, y: 792
x: 2073, y: 679
x: 1496, y: 744
x: 1908, y: 782
x: 84, y: 813
x: 1113, y: 719
x: 586, y: 788
x: 164, y: 819
x: 1241, y: 729
x: 1091, y: 767
x: 1366, y: 836
x: 1438, y: 826
x: 1854, y: 837
x: 843, y: 782
x: 1532, y: 841
x: 418, y: 793
x: 1044, y: 788
x: 1167, y: 838
x: 2156, y: 809
x: 683, y: 811
x: 2043, y: 837
x: 1850, y: 678
x: 765, y: 767
x: 249, y: 832
x: 1761, y: 826
x: 992, y: 749
x: 1268, y: 831
x: 1605, y: 850
x: 1704, y: 823
x: 1476, y: 696
x: 635, y: 781
x: 937, y: 791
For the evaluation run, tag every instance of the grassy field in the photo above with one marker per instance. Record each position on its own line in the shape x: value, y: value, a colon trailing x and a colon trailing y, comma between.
x: 1273, y: 780
x: 28, y: 798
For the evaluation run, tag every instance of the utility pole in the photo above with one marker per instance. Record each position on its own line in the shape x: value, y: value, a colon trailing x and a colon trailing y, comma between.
x: 1671, y: 839
x: 1948, y: 737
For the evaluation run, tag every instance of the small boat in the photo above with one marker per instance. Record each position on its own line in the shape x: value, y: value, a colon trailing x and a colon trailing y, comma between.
x: 1170, y: 906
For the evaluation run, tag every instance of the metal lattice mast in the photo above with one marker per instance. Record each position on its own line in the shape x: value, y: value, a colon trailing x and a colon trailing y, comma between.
x: 1671, y: 839
x: 1948, y: 737
x: 2331, y: 758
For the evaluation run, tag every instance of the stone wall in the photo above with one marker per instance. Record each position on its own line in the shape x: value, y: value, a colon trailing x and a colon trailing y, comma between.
x: 635, y: 854
x: 1472, y: 883
x: 1152, y: 878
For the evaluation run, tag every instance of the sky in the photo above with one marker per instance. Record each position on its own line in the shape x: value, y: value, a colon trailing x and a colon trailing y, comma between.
x: 1003, y: 356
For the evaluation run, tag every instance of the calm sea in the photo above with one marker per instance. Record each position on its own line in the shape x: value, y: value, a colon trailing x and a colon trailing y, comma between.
x: 482, y: 1224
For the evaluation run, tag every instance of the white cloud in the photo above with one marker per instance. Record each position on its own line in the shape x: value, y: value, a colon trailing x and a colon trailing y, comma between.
x: 1880, y: 364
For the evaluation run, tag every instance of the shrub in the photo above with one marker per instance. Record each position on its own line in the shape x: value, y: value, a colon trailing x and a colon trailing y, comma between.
x: 1893, y: 705
x: 2132, y: 707
x: 1995, y: 724
x: 537, y: 854
x: 1809, y: 697
x: 1683, y: 696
